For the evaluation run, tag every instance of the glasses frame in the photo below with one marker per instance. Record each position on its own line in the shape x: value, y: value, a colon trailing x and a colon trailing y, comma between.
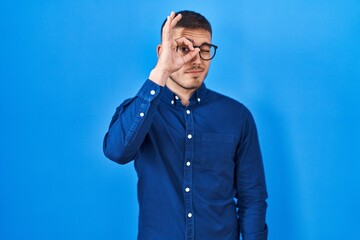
x: 205, y: 44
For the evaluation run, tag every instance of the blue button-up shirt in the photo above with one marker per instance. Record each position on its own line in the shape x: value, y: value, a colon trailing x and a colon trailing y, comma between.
x: 199, y: 167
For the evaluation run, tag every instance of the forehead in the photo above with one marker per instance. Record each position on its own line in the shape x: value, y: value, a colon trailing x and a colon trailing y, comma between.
x: 197, y: 36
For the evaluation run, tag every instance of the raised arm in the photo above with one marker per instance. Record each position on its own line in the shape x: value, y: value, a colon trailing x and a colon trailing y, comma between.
x: 130, y: 124
x: 133, y: 118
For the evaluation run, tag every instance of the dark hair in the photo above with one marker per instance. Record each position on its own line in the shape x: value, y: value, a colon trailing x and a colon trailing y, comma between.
x: 191, y: 20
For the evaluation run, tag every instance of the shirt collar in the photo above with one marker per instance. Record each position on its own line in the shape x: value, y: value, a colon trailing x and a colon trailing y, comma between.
x: 197, y: 97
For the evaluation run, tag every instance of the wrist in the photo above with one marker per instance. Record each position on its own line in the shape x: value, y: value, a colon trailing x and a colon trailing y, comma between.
x: 159, y: 76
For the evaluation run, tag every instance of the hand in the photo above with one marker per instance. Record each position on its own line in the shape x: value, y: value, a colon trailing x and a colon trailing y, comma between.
x: 170, y: 60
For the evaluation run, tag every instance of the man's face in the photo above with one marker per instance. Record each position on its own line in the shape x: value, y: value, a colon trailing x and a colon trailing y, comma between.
x: 191, y: 75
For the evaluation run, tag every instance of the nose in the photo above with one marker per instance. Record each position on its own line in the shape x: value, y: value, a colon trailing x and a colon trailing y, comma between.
x: 196, y: 59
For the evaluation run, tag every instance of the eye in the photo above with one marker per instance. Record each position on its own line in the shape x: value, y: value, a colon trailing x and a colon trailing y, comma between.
x: 183, y: 49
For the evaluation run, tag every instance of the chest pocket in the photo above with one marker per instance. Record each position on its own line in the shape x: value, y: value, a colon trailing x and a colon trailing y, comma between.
x: 216, y: 150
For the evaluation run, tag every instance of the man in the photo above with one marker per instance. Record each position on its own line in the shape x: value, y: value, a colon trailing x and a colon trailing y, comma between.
x: 196, y: 152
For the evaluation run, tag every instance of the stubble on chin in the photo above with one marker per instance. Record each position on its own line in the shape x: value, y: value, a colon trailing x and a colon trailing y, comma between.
x: 195, y: 83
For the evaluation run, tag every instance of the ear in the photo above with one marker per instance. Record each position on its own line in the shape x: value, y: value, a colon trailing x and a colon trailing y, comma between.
x: 158, y: 50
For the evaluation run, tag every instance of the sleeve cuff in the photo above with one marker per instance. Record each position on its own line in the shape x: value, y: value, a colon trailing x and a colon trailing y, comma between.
x: 149, y: 91
x: 263, y: 235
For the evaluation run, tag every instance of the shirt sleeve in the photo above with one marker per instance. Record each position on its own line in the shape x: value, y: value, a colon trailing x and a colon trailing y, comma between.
x: 130, y: 124
x: 250, y: 184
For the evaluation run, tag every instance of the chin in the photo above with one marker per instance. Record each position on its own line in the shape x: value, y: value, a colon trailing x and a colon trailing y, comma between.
x: 194, y: 83
x: 188, y: 82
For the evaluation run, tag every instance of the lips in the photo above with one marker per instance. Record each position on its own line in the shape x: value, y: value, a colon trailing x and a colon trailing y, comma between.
x: 195, y: 71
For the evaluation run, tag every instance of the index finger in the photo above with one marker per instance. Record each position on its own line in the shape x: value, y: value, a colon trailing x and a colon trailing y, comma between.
x: 185, y: 41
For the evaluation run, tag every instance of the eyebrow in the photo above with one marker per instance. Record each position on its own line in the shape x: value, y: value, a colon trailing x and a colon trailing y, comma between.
x: 194, y: 42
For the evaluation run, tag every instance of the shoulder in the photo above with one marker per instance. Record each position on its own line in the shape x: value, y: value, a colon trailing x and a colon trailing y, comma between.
x: 227, y: 103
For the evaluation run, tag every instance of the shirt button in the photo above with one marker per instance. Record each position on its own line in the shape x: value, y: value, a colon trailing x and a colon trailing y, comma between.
x: 189, y: 136
x: 177, y: 98
x: 198, y: 99
x: 187, y: 189
x: 188, y: 164
x: 172, y: 102
x: 189, y: 215
x: 152, y: 92
x: 142, y: 114
x: 188, y: 112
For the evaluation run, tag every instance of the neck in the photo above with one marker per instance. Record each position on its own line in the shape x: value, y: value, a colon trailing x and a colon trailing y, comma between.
x: 183, y: 93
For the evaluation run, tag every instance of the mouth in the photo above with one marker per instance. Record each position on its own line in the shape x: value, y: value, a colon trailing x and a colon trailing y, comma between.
x: 196, y: 72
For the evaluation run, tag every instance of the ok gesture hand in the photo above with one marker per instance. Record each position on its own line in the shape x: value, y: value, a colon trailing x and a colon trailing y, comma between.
x: 170, y: 60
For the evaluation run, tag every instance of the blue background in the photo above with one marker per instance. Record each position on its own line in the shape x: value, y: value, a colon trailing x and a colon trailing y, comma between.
x: 66, y: 66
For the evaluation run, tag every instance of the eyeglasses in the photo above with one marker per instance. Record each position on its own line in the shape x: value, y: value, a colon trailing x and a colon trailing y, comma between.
x: 207, y: 51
